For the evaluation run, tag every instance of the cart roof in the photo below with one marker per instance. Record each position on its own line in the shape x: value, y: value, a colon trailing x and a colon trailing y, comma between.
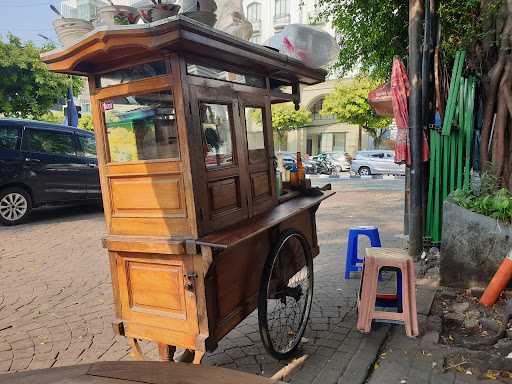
x: 102, y: 48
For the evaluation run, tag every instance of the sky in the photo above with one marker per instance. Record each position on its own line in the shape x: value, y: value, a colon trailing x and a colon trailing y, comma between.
x: 27, y: 18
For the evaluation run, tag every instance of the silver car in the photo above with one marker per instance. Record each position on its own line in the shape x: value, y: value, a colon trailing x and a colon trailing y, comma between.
x: 375, y: 162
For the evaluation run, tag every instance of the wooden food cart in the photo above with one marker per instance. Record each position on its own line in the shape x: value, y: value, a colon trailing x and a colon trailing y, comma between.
x: 197, y: 237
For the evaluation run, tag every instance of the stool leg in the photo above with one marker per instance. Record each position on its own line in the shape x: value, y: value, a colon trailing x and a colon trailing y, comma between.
x: 399, y: 306
x: 375, y: 239
x: 406, y: 301
x: 351, y: 257
x: 373, y: 295
x: 412, y: 299
x: 363, y: 302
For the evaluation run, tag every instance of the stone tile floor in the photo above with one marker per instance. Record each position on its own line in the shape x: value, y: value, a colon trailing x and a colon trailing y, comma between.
x: 56, y: 299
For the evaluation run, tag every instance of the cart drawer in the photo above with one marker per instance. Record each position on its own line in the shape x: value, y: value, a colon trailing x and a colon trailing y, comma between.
x: 154, y: 291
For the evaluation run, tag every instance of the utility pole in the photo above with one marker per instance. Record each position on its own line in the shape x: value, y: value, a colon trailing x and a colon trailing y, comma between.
x: 416, y: 16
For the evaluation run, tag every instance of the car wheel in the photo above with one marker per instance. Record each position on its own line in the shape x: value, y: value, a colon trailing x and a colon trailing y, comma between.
x: 15, y: 206
x: 364, y: 171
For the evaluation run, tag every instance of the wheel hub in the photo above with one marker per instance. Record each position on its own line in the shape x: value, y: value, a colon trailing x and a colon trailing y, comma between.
x: 13, y: 206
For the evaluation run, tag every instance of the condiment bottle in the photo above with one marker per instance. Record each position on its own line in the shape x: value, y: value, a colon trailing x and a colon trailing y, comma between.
x: 301, y: 172
x: 294, y: 175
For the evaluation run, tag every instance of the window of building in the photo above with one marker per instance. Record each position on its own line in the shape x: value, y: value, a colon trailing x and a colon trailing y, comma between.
x: 315, y: 111
x: 338, y: 142
x: 282, y: 8
x: 256, y: 38
x: 254, y: 12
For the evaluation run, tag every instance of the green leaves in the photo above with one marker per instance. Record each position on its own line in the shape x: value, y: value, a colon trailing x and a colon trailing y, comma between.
x: 370, y: 33
x: 497, y: 204
x: 349, y: 103
x: 27, y: 88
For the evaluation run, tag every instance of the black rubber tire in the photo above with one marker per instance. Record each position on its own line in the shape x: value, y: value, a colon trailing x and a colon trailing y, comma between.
x: 368, y: 169
x: 28, y: 198
x: 264, y: 328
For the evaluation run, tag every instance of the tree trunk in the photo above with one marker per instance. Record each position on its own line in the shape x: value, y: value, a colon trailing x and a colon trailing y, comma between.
x: 497, y: 95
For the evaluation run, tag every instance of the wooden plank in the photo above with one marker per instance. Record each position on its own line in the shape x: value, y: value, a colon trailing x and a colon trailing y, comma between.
x: 144, y: 244
x: 234, y: 235
x: 150, y: 372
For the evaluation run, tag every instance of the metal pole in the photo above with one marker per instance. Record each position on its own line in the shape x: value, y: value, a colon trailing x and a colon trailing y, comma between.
x: 416, y: 14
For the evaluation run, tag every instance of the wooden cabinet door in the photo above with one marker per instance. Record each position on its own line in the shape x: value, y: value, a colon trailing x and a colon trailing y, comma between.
x: 255, y: 117
x: 223, y: 182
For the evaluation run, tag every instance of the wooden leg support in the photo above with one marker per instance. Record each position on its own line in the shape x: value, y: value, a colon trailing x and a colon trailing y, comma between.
x: 136, y: 351
x: 166, y: 352
x: 198, y: 356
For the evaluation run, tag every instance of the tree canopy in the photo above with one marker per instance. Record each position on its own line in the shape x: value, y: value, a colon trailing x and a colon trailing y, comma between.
x: 371, y: 33
x: 27, y: 88
x: 349, y: 103
x: 285, y: 118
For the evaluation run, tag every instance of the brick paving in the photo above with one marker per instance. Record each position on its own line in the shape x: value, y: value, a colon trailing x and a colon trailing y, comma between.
x: 56, y: 298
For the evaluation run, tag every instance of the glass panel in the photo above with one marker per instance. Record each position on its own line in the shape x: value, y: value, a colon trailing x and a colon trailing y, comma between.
x: 218, y: 74
x: 338, y: 142
x: 51, y: 142
x: 88, y: 144
x: 141, y: 127
x: 136, y: 72
x: 255, y: 134
x: 217, y: 134
x: 254, y: 12
x: 8, y: 137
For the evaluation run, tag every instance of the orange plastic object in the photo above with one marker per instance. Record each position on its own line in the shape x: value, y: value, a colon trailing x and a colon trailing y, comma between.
x: 498, y: 282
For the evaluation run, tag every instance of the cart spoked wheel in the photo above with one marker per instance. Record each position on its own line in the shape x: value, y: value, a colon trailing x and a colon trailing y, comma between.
x: 285, y: 295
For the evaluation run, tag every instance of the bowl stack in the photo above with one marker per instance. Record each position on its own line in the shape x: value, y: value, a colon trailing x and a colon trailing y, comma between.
x: 200, y: 10
x: 150, y: 12
x: 70, y: 30
x: 117, y: 15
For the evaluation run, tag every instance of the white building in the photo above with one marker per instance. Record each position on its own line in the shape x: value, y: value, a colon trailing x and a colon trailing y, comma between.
x: 271, y: 16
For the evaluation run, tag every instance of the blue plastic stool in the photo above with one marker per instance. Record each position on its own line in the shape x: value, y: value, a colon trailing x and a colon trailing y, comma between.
x: 352, y: 260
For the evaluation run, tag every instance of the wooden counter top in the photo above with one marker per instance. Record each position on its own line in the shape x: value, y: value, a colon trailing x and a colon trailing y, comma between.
x: 239, y: 232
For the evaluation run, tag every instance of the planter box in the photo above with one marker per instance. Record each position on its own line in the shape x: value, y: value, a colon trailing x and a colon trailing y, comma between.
x: 472, y: 248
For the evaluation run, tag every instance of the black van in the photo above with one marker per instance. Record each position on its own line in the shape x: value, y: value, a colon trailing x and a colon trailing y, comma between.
x: 43, y: 163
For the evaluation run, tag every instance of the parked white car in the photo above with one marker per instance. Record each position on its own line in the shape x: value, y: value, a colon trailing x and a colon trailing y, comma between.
x: 375, y: 162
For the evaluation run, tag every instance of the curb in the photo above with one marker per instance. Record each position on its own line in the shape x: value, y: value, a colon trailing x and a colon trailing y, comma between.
x: 360, y: 366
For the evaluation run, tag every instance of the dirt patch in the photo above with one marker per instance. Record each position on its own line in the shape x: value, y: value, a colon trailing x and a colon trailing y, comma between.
x: 481, y: 337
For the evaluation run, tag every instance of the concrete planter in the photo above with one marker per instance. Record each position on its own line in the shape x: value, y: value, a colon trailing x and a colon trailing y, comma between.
x: 472, y: 248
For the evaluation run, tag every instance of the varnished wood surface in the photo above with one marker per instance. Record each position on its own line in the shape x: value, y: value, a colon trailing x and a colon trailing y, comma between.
x: 175, y: 33
x: 146, y: 372
x: 234, y: 235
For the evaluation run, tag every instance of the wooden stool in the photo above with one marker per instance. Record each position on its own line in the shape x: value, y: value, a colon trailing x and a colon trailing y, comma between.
x: 377, y: 258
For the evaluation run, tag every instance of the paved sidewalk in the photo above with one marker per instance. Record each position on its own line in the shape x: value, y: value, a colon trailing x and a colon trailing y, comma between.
x: 56, y: 298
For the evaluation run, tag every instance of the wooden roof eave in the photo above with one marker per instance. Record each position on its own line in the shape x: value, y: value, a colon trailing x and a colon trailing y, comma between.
x: 178, y: 34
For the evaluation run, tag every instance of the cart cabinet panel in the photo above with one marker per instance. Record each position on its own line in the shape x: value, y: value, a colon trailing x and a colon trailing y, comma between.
x: 158, y: 196
x: 154, y: 291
